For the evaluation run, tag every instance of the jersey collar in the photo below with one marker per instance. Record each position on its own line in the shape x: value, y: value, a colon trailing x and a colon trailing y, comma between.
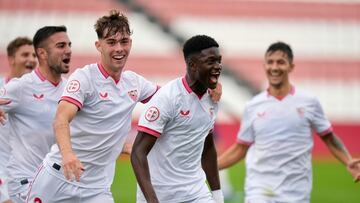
x: 105, y: 73
x: 43, y: 78
x: 188, y: 89
x: 291, y: 92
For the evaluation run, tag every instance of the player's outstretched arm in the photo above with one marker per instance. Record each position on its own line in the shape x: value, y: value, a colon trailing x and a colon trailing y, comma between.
x: 339, y: 150
x: 354, y: 168
x: 235, y: 153
x: 73, y: 168
x: 141, y: 148
x: 209, y: 165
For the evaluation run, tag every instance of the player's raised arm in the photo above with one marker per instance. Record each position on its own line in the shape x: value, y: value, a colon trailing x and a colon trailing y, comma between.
x: 72, y: 165
x: 141, y: 148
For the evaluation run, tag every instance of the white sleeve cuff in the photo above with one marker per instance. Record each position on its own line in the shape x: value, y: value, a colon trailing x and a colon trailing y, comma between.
x: 218, y: 196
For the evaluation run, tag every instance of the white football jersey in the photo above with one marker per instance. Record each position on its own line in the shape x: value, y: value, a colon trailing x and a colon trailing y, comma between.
x: 31, y: 111
x: 281, y: 132
x: 4, y: 137
x: 99, y: 129
x: 181, y: 120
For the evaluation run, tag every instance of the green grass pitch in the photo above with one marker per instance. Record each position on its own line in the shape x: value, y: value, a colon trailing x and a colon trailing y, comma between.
x: 331, y: 183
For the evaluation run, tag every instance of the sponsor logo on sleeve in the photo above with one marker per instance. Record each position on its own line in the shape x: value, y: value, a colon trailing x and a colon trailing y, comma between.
x: 152, y: 114
x: 73, y: 86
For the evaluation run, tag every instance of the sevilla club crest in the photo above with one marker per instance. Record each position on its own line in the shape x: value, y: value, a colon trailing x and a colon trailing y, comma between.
x: 133, y: 94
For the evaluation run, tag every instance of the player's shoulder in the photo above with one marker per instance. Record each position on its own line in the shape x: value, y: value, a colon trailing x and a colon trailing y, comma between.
x: 2, y: 81
x: 85, y: 71
x: 258, y: 98
x: 302, y: 94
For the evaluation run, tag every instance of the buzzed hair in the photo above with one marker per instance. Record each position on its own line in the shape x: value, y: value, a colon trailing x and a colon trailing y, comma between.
x: 281, y: 46
x: 111, y: 24
x: 44, y: 33
x: 15, y: 44
x: 198, y: 43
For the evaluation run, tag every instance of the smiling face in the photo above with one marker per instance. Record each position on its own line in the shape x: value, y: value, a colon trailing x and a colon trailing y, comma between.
x: 278, y: 67
x: 207, y: 67
x: 114, y: 50
x: 24, y: 60
x: 58, y: 52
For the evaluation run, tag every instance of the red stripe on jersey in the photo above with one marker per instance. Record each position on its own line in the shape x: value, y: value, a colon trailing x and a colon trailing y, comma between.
x: 72, y: 100
x: 148, y: 131
x: 327, y: 131
x: 247, y: 143
x: 148, y: 99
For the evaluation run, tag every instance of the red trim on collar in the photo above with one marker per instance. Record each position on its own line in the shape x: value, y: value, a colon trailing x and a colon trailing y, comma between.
x: 43, y: 78
x: 105, y: 73
x: 39, y: 74
x: 292, y: 92
x: 186, y: 85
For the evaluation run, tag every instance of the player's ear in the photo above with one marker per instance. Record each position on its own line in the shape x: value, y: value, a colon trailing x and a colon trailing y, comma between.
x: 41, y: 53
x: 11, y: 60
x: 292, y: 66
x: 97, y: 45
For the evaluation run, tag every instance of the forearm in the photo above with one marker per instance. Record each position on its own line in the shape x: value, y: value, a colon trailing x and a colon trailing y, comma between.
x: 210, y: 167
x: 231, y: 156
x: 62, y: 135
x: 142, y: 174
x: 337, y: 148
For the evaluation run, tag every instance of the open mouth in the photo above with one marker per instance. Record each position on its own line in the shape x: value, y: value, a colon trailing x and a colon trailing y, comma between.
x: 29, y: 67
x: 118, y: 57
x: 214, y: 77
x: 66, y: 61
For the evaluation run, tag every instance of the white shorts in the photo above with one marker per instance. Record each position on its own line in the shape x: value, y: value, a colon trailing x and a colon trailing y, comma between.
x: 206, y: 198
x: 268, y: 200
x: 4, y: 194
x: 48, y: 188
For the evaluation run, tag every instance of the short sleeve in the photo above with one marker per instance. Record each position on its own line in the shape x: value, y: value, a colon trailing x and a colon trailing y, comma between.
x: 76, y: 88
x: 147, y: 89
x: 156, y: 115
x: 319, y: 121
x: 246, y: 134
x: 11, y: 92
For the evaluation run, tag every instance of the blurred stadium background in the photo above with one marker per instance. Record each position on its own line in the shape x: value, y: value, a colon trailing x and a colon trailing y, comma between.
x: 324, y: 34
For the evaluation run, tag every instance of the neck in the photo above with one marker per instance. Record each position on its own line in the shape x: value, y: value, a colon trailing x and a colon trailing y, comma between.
x: 280, y: 91
x: 195, y: 86
x: 114, y: 74
x: 49, y: 74
x: 14, y: 74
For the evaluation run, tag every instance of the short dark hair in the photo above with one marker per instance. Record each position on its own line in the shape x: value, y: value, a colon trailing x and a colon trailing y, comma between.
x: 114, y: 22
x: 281, y: 46
x: 44, y: 33
x: 15, y: 44
x: 198, y: 43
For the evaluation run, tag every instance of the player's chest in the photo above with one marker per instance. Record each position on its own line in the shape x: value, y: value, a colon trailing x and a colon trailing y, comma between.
x: 281, y: 117
x: 40, y: 100
x: 194, y: 113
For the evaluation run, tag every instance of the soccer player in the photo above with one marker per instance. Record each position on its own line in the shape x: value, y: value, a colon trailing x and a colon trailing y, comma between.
x: 174, y: 152
x: 92, y: 121
x: 278, y: 124
x: 22, y: 60
x: 31, y: 103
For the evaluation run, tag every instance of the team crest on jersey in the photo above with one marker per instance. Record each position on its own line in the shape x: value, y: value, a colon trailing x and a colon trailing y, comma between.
x: 73, y: 86
x: 2, y: 91
x: 261, y: 114
x: 301, y: 111
x: 152, y: 114
x: 211, y: 111
x: 133, y: 94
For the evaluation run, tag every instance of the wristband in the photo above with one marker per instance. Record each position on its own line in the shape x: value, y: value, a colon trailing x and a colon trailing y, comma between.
x: 218, y: 196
